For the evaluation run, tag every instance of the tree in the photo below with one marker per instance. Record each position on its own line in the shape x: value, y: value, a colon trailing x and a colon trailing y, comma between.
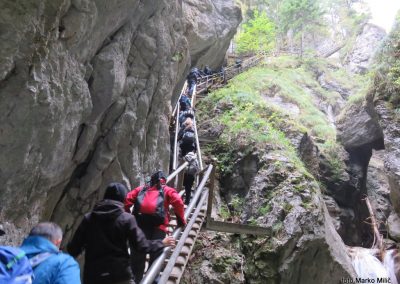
x: 258, y: 34
x: 298, y: 16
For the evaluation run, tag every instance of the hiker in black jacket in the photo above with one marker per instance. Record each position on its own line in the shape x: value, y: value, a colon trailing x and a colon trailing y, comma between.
x: 187, y: 138
x: 192, y: 78
x: 104, y: 234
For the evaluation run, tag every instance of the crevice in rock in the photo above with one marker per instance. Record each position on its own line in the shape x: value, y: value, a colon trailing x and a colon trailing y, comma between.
x: 355, y: 229
x: 77, y: 174
x: 11, y: 73
x: 80, y: 131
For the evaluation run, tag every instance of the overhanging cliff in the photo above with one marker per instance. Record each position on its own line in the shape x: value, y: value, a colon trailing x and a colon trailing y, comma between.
x: 85, y: 96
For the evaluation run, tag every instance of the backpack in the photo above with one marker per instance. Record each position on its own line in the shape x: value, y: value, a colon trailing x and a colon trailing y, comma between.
x: 149, y: 219
x: 16, y: 268
x: 184, y: 103
x: 188, y: 137
x: 193, y: 167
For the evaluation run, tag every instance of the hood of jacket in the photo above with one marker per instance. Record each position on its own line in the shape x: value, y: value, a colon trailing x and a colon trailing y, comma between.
x: 107, y: 209
x: 35, y: 244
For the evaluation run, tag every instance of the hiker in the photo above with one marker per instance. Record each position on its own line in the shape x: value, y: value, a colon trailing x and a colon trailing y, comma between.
x: 104, y: 234
x: 184, y: 103
x: 183, y: 115
x: 192, y: 78
x: 50, y: 265
x: 190, y: 173
x: 187, y: 138
x: 207, y: 71
x: 151, y: 209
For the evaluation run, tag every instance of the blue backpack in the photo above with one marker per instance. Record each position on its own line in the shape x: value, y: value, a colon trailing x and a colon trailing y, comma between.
x: 16, y: 268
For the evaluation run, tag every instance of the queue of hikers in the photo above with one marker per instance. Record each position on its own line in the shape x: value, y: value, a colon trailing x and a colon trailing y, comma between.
x: 117, y: 233
x: 104, y: 236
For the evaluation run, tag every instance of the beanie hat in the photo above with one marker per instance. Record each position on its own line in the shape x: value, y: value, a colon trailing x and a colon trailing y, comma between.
x: 116, y: 191
x: 156, y: 177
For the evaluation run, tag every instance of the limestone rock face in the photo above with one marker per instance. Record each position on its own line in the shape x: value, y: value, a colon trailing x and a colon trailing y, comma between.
x: 85, y: 97
x: 367, y: 43
x: 391, y: 130
x: 209, y: 29
x: 359, y: 126
x: 385, y: 98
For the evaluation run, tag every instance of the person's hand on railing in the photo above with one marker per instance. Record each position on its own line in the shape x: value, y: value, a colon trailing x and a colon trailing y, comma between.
x: 169, y: 241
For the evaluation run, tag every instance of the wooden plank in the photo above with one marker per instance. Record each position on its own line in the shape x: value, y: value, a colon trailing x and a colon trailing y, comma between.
x: 219, y: 226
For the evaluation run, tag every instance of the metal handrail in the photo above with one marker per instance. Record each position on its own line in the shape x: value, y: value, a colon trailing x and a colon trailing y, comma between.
x: 197, y: 144
x: 175, y: 162
x: 193, y: 98
x: 156, y: 267
x: 171, y: 263
x: 183, y: 91
x: 177, y: 171
x: 247, y: 63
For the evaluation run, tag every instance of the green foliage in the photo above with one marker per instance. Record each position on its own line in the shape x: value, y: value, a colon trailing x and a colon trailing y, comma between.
x: 237, y: 203
x: 258, y: 35
x: 177, y: 57
x: 299, y: 15
x: 224, y: 212
x: 387, y: 75
x: 264, y: 210
x: 250, y: 120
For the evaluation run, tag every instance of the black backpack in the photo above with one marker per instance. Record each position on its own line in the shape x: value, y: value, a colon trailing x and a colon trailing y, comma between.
x: 150, y: 219
x: 184, y: 103
x: 188, y: 137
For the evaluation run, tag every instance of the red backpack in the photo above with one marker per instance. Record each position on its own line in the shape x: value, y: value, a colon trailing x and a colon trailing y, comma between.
x: 156, y: 216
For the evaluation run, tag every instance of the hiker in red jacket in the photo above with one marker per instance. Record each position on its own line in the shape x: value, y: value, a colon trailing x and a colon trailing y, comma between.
x: 151, y: 204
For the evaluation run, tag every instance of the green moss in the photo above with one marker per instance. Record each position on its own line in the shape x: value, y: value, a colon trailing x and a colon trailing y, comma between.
x: 264, y: 210
x: 336, y: 164
x: 387, y: 75
x: 224, y: 212
x: 221, y: 264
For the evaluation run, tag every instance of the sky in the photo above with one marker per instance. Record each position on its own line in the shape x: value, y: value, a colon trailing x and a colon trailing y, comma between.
x: 384, y: 12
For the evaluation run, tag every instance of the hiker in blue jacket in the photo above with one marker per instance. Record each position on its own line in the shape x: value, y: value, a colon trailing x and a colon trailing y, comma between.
x: 55, y: 267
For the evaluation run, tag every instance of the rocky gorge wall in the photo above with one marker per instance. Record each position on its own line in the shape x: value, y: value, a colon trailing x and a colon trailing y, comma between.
x: 86, y: 88
x: 373, y: 124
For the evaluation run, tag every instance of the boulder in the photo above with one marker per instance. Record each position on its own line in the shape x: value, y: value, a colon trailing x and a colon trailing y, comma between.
x: 359, y: 126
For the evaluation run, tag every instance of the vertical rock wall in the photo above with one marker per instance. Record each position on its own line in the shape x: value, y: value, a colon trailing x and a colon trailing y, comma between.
x: 85, y: 98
